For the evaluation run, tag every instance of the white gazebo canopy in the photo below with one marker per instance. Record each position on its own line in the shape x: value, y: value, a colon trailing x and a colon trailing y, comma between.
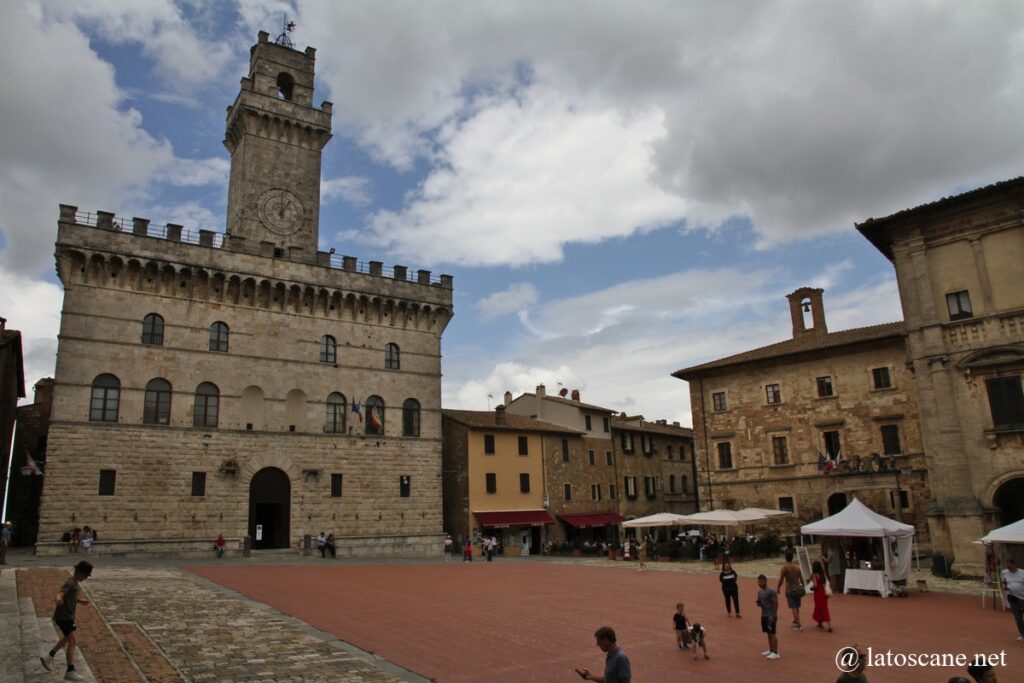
x: 857, y: 519
x: 660, y: 519
x: 1011, y: 533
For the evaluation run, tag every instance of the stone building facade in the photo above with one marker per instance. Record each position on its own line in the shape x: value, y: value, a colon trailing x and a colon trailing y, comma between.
x: 28, y: 463
x: 245, y: 383
x: 807, y: 423
x: 581, y: 473
x: 958, y: 265
x: 494, y: 477
x: 657, y: 471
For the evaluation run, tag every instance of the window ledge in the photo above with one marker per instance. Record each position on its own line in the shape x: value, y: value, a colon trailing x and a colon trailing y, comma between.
x: 824, y: 398
x: 783, y: 465
x: 1008, y: 429
x: 889, y: 388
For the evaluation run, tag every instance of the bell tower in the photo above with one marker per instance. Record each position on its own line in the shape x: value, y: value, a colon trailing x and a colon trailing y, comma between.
x: 275, y: 136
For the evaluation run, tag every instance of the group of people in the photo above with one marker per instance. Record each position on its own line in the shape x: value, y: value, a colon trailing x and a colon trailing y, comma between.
x: 81, y: 537
x: 326, y: 544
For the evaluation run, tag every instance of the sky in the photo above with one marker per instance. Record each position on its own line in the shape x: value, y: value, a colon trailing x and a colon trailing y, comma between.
x: 620, y: 190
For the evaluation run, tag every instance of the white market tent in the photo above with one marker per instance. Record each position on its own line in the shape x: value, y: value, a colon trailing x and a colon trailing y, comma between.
x: 1011, y: 533
x: 660, y: 519
x: 858, y: 520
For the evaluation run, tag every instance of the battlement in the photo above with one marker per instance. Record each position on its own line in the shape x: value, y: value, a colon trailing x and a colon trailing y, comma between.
x: 171, y: 232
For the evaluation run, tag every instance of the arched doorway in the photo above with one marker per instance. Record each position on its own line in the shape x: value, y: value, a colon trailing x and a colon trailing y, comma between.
x: 836, y: 503
x: 269, y: 508
x: 1009, y: 499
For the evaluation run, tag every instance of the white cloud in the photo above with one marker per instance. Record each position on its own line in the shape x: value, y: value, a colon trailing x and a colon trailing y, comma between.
x: 523, y: 177
x: 35, y: 312
x: 516, y: 297
x: 196, y: 172
x: 183, y: 58
x: 804, y: 117
x: 352, y: 189
x: 512, y: 377
x: 620, y: 345
x: 63, y: 138
x: 66, y: 137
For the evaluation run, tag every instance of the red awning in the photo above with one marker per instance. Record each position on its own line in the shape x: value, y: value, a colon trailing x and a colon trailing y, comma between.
x: 507, y: 518
x: 599, y: 519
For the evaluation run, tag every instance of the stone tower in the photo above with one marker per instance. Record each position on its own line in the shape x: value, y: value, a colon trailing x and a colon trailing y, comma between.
x: 275, y: 136
x: 245, y: 384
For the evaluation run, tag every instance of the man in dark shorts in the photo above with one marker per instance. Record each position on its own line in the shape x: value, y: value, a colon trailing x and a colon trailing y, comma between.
x: 768, y: 601
x: 616, y: 663
x: 64, y: 617
x: 794, y: 580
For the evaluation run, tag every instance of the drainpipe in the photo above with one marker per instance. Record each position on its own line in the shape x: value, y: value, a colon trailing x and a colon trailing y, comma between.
x: 707, y: 451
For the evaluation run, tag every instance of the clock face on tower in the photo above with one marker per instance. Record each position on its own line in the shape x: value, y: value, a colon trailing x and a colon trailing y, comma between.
x: 280, y: 211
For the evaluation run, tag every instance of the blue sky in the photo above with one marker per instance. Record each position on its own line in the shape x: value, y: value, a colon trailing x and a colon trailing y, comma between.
x: 619, y: 189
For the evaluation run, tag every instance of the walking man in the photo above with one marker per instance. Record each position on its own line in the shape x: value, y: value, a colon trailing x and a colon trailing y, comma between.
x: 1012, y: 578
x: 768, y: 601
x: 5, y: 541
x: 64, y: 616
x: 794, y: 580
x: 616, y: 663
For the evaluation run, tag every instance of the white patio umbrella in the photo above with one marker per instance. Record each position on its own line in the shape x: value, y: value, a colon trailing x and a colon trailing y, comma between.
x: 660, y: 519
x: 767, y: 512
x: 725, y: 517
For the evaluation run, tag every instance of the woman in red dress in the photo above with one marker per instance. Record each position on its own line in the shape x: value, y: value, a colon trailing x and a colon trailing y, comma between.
x: 821, y: 615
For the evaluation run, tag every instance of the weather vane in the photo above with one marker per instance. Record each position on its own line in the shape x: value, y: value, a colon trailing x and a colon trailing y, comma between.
x: 283, y: 39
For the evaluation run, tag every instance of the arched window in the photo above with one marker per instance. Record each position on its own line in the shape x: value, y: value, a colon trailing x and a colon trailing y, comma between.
x: 157, y: 408
x: 334, y: 422
x: 374, y: 415
x: 219, y: 337
x: 671, y: 483
x: 153, y: 330
x: 285, y: 86
x: 328, y: 349
x: 391, y: 358
x: 411, y: 417
x: 106, y: 396
x: 207, y: 405
x: 682, y: 484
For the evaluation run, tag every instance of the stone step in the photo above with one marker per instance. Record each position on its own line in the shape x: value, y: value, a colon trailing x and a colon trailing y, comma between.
x: 10, y: 636
x: 38, y: 634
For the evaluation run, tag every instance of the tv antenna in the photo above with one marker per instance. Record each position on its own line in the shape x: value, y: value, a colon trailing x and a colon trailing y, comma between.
x: 283, y: 39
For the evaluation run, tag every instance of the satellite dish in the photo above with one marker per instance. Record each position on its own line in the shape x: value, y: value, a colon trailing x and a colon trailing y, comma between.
x: 563, y: 392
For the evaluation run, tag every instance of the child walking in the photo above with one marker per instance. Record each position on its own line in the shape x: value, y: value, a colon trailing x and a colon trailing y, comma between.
x: 697, y: 635
x: 64, y: 617
x: 682, y: 627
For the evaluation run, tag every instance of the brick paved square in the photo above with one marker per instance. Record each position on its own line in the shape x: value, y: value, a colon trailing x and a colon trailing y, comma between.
x: 532, y: 621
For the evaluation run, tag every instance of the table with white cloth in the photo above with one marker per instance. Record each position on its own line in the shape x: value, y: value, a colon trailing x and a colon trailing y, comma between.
x: 866, y: 580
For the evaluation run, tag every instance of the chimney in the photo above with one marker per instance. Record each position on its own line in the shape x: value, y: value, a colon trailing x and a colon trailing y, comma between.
x: 541, y: 391
x: 499, y: 414
x: 44, y: 391
x: 576, y: 395
x: 807, y: 300
x: 508, y: 397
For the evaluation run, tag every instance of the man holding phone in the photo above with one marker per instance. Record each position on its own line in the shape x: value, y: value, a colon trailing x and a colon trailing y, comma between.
x: 616, y: 663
